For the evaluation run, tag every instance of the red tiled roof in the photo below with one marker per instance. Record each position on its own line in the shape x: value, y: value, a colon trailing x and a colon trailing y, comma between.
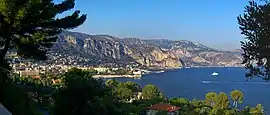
x: 164, y: 107
x: 35, y: 77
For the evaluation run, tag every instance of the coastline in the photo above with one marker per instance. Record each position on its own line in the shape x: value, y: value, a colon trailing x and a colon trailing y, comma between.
x: 173, y: 68
x: 116, y: 76
x: 215, y: 67
x: 160, y: 70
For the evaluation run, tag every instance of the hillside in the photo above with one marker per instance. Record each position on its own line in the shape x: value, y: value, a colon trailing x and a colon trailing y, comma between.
x: 105, y: 49
x: 196, y: 54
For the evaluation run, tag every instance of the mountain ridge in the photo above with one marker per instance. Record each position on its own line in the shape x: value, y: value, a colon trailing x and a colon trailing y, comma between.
x: 161, y: 53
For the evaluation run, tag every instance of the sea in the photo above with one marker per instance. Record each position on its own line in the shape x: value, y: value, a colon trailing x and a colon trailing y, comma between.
x: 194, y: 83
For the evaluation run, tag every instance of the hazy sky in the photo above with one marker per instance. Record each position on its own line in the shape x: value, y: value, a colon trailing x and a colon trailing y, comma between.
x: 210, y: 22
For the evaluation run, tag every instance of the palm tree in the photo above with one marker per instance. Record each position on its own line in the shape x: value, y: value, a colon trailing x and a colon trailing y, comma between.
x: 210, y: 98
x: 237, y: 97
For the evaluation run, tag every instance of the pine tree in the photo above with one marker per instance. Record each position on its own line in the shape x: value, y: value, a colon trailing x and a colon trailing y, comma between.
x: 255, y: 26
x: 30, y: 26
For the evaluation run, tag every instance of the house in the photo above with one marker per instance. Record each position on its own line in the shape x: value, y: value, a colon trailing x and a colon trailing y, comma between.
x: 35, y: 77
x: 101, y: 69
x: 137, y: 72
x: 55, y: 81
x: 30, y: 73
x: 164, y: 108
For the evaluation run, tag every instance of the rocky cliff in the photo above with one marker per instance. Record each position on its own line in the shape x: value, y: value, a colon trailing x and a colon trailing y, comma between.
x: 150, y: 55
x: 105, y: 49
x: 196, y: 54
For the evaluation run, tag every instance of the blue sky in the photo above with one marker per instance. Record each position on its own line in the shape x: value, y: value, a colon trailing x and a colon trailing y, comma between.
x: 210, y: 22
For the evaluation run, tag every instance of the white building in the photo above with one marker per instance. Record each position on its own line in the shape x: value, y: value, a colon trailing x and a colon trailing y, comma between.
x: 101, y: 69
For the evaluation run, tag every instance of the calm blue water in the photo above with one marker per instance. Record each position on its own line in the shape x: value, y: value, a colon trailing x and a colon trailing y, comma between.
x: 187, y: 83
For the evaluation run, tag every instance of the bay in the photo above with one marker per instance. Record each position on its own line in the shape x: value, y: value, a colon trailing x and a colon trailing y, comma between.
x: 193, y: 83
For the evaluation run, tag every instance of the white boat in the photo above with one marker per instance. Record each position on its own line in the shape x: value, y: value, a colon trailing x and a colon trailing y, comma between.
x: 214, y: 73
x: 206, y: 81
x: 160, y: 71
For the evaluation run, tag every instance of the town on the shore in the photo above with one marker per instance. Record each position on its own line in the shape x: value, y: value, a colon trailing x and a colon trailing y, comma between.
x: 37, y: 68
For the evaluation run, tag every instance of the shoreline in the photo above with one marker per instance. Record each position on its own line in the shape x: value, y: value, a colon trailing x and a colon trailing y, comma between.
x: 173, y: 68
x: 117, y: 76
x: 216, y: 67
x: 151, y: 71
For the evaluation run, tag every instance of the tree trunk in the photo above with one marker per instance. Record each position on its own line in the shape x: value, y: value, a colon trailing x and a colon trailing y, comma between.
x: 212, y: 103
x: 235, y: 104
x: 4, y: 52
x: 3, y: 71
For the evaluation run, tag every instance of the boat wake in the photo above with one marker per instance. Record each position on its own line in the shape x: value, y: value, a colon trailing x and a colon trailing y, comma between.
x: 235, y: 82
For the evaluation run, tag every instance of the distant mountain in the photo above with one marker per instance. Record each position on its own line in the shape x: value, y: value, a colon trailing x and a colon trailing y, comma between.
x: 196, y: 54
x: 237, y: 51
x: 105, y: 49
x: 180, y: 44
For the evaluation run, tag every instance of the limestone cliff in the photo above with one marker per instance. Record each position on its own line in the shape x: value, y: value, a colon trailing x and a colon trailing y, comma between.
x: 196, y: 54
x: 108, y: 49
x: 105, y: 49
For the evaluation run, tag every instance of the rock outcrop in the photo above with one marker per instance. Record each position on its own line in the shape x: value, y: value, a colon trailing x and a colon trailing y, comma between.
x: 196, y: 54
x: 105, y: 49
x: 108, y: 49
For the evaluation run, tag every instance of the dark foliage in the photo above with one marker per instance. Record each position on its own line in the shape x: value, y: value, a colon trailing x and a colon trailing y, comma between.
x: 83, y: 95
x: 31, y: 26
x: 12, y: 96
x: 255, y: 26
